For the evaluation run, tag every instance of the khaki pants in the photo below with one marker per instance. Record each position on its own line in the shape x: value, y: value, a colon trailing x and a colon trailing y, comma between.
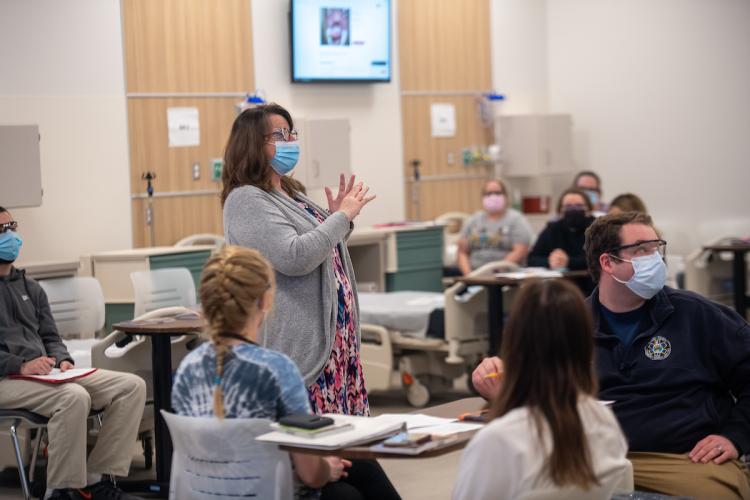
x: 122, y: 397
x: 674, y: 474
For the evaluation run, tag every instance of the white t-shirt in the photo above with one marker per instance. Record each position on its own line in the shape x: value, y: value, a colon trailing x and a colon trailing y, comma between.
x: 505, y: 459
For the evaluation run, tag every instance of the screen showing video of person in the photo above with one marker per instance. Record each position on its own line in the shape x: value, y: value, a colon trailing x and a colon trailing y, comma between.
x: 345, y: 40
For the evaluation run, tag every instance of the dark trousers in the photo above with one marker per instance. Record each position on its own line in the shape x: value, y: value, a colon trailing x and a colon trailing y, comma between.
x: 366, y: 481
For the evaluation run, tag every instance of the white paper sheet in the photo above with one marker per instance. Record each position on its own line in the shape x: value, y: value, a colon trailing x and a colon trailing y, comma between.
x: 184, y: 127
x: 443, y: 119
x: 416, y: 420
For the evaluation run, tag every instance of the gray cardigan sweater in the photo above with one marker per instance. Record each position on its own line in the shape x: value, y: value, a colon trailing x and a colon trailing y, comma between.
x: 302, y: 323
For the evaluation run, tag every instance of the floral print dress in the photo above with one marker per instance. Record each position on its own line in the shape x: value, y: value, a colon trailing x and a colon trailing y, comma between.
x: 340, y: 388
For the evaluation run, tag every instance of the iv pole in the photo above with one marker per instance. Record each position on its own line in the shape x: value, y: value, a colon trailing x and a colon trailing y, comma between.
x: 148, y: 177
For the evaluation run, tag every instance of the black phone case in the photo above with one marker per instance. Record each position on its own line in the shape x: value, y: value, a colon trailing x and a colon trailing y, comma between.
x: 306, y: 421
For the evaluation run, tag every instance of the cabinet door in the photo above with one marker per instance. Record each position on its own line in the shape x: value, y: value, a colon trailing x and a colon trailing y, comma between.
x: 327, y: 152
x: 557, y: 150
x: 520, y: 138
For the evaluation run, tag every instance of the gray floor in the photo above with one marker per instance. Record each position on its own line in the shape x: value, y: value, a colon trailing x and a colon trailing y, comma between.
x: 415, y: 479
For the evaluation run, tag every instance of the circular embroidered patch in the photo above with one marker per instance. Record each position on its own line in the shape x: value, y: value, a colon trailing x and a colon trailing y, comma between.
x: 658, y: 348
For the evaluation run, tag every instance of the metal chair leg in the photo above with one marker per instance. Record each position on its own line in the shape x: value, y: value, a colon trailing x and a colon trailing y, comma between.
x: 19, y: 460
x: 37, y: 444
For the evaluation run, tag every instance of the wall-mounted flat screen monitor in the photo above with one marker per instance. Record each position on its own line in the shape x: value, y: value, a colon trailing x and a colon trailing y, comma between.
x: 341, y: 40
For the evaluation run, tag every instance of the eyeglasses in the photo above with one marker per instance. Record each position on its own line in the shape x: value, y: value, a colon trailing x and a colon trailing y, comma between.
x: 496, y: 193
x: 642, y: 248
x: 8, y: 226
x: 283, y: 134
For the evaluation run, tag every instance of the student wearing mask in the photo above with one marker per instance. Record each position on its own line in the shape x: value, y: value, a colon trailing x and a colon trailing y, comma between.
x: 30, y: 345
x: 589, y: 182
x: 497, y: 232
x: 676, y: 365
x: 233, y: 377
x: 560, y: 244
x: 548, y: 436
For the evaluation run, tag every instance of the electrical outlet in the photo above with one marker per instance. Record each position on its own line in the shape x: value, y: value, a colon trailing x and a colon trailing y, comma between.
x: 196, y: 171
x: 451, y: 158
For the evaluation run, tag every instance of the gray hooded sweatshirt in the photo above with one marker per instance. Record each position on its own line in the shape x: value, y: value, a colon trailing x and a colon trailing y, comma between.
x: 302, y: 323
x: 27, y: 330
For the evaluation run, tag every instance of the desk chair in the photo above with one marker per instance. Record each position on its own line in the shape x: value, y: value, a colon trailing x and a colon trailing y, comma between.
x: 162, y: 288
x: 77, y: 306
x: 220, y: 458
x: 31, y: 420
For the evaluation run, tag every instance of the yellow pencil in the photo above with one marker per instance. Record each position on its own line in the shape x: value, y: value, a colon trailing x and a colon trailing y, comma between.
x: 492, y: 375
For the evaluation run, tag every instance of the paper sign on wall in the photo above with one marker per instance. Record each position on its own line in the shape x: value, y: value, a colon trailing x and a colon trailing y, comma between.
x: 184, y: 127
x: 443, y: 118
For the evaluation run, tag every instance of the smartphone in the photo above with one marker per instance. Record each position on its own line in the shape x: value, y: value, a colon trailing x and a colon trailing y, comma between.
x: 407, y: 439
x: 306, y: 421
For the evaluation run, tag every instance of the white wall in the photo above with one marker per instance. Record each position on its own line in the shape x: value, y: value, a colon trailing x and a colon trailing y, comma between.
x: 658, y: 91
x: 62, y: 69
x: 373, y: 110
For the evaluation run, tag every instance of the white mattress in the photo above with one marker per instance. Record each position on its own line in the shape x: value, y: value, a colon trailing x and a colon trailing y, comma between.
x: 407, y: 312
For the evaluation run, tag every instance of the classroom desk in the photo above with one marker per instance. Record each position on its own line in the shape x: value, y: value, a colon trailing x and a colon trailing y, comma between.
x: 494, y: 285
x: 739, y: 273
x: 160, y: 331
x: 446, y: 410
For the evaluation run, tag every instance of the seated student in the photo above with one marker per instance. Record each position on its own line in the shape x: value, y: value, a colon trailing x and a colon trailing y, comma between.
x: 497, y: 232
x: 560, y: 244
x: 234, y: 377
x: 676, y: 365
x: 627, y: 202
x: 30, y: 345
x: 548, y: 436
x: 589, y: 182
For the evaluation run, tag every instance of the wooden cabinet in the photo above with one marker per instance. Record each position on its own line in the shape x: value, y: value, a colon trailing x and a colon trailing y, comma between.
x: 534, y: 145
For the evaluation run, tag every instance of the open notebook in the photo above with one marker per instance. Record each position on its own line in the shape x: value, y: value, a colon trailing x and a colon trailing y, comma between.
x: 364, y: 430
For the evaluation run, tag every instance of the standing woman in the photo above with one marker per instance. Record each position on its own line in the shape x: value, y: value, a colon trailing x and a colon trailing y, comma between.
x: 315, y: 321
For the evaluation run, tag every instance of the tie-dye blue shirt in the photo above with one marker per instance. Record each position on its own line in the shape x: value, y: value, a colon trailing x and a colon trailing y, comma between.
x: 256, y: 383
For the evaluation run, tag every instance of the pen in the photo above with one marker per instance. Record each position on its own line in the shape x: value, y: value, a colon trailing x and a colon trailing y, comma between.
x: 492, y: 375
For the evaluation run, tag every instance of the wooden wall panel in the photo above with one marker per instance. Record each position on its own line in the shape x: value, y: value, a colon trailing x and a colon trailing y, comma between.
x: 149, y: 144
x: 188, y: 46
x: 444, y: 45
x: 444, y: 57
x: 434, y: 151
x: 175, y: 218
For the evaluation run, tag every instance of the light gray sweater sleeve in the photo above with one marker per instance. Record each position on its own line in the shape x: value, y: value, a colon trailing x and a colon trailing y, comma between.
x: 253, y: 220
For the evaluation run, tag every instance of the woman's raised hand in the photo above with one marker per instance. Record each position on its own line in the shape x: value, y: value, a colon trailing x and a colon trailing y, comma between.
x: 354, y: 200
x: 344, y: 188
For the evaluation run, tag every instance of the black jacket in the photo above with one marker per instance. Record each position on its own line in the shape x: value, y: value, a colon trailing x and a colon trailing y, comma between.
x: 685, y: 375
x: 557, y: 234
x: 27, y: 330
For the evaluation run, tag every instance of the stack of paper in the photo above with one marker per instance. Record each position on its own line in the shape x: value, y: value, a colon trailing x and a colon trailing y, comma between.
x: 364, y: 430
x: 531, y: 272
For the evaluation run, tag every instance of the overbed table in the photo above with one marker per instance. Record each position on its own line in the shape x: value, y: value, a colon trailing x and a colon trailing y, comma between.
x: 739, y: 273
x: 494, y: 285
x: 160, y: 331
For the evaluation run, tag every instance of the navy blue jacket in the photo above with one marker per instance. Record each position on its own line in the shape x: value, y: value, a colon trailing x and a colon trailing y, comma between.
x: 669, y: 394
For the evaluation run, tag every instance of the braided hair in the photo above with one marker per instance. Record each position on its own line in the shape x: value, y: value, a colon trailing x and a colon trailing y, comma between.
x: 233, y: 283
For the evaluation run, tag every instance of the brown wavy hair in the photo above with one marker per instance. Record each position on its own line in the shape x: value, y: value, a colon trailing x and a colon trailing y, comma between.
x: 232, y: 285
x: 245, y: 162
x: 547, y: 354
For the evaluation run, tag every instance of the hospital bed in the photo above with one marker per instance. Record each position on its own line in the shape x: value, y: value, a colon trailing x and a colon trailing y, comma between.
x: 397, y: 351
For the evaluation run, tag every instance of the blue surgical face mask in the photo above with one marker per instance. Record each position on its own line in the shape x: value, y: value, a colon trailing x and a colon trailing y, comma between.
x: 286, y: 157
x: 649, y: 275
x: 10, y: 245
x: 593, y: 196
